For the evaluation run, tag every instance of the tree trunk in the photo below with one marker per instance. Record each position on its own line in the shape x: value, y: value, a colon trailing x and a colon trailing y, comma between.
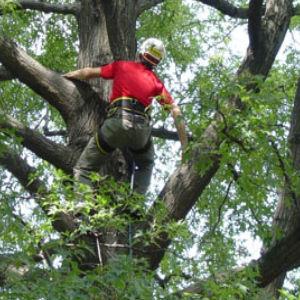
x: 106, y: 33
x: 287, y: 215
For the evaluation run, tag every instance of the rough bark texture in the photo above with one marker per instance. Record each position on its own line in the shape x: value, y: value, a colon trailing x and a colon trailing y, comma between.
x: 50, y: 85
x: 287, y: 215
x: 274, y: 25
x: 58, y: 155
x: 5, y: 75
x: 227, y: 8
x: 47, y: 7
x: 184, y: 188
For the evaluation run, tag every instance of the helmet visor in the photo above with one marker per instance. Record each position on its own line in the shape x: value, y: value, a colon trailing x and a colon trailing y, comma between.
x: 151, y: 59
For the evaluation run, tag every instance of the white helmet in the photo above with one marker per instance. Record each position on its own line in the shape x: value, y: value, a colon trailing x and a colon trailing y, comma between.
x: 153, y: 51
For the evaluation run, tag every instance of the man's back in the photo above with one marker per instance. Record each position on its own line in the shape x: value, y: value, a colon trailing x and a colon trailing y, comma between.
x: 132, y: 79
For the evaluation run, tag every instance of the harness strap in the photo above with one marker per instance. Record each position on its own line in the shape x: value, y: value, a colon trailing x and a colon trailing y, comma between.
x: 102, y: 145
x: 129, y: 104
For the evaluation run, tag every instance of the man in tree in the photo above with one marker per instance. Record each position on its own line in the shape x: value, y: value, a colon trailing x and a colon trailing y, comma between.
x: 135, y: 85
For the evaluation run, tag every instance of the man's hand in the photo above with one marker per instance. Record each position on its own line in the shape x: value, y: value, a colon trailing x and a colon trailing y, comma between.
x: 78, y: 74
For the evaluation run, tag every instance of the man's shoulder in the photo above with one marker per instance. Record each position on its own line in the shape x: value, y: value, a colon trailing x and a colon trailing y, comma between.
x: 125, y: 62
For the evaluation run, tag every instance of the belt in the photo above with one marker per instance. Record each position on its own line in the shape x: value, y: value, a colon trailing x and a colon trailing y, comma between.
x: 132, y: 117
x: 129, y: 104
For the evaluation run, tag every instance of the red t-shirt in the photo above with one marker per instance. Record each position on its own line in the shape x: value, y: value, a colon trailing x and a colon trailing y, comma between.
x: 135, y: 80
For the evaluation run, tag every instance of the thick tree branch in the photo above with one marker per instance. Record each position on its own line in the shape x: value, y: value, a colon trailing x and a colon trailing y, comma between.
x: 65, y: 95
x: 223, y: 6
x: 56, y: 154
x: 65, y: 9
x: 282, y: 257
x: 227, y: 8
x: 156, y: 132
x: 184, y: 188
x: 276, y: 20
x: 254, y: 25
x: 286, y: 217
x: 188, y: 182
x: 5, y: 75
x: 164, y: 134
x: 22, y: 171
x: 167, y: 134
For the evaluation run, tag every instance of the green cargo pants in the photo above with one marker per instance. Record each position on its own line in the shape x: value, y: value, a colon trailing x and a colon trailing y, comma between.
x: 121, y: 130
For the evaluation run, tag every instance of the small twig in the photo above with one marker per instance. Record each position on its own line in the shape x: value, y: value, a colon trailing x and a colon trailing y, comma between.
x: 44, y: 118
x: 211, y: 231
x: 238, y: 142
x: 164, y: 281
x: 40, y: 247
x: 225, y: 131
x: 46, y: 255
x: 221, y: 207
x: 47, y: 132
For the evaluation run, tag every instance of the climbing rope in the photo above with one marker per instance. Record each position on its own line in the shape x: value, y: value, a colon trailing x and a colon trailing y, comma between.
x: 130, y: 225
x: 98, y: 249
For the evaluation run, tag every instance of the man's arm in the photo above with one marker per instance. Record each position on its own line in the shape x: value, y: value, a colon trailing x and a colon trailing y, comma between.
x: 83, y: 74
x: 179, y: 123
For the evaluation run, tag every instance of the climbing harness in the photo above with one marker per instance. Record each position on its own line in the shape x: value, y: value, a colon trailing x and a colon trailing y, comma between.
x: 130, y: 105
x: 102, y: 145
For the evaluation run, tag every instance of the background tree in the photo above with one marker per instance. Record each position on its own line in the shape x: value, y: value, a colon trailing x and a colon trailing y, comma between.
x: 243, y: 158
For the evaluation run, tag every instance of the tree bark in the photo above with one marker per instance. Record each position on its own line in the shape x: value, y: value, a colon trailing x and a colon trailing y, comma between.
x: 64, y: 9
x: 58, y: 155
x: 274, y: 25
x: 5, y: 75
x: 227, y: 8
x: 21, y: 170
x: 287, y: 215
x: 59, y: 92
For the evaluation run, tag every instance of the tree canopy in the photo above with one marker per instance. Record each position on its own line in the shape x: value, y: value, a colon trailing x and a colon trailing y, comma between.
x: 238, y: 179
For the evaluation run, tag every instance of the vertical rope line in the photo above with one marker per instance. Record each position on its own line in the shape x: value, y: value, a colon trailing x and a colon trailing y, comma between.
x: 99, y: 250
x: 130, y: 225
